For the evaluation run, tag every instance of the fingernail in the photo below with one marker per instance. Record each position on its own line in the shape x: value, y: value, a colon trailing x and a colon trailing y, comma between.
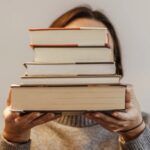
x: 97, y: 115
x: 52, y: 115
x: 38, y: 114
x: 115, y: 114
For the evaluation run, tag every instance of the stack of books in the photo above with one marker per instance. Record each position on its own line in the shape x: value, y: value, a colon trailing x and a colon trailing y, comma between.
x: 73, y: 70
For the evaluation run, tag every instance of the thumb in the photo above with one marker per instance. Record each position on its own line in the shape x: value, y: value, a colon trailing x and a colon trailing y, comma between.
x: 8, y: 102
x: 129, y: 96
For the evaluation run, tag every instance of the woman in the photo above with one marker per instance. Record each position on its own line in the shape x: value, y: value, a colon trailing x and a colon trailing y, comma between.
x: 77, y: 131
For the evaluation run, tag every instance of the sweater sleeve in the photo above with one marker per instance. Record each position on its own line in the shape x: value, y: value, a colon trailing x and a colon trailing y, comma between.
x: 6, y: 145
x: 142, y: 142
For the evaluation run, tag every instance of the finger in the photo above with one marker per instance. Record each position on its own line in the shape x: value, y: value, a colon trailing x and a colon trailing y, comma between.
x: 131, y: 100
x: 43, y: 119
x: 26, y: 119
x: 8, y: 102
x: 128, y: 93
x: 108, y: 126
x: 129, y: 97
x: 9, y: 115
x: 121, y: 115
x: 107, y: 119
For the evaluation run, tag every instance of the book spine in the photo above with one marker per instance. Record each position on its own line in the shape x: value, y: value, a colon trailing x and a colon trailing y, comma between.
x: 65, y: 28
x: 53, y: 28
x: 53, y: 45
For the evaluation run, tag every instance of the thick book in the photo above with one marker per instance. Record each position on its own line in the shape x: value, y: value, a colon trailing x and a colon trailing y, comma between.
x: 68, y: 80
x: 83, y: 36
x: 68, y: 98
x: 73, y: 54
x: 69, y: 68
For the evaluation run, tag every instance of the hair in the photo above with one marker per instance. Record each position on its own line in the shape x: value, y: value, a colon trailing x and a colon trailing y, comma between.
x: 86, y: 12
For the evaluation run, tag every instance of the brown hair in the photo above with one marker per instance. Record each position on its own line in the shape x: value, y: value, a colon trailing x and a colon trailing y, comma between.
x: 86, y: 12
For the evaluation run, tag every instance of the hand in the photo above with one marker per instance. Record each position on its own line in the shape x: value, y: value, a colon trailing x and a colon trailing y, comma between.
x: 121, y: 121
x: 17, y: 128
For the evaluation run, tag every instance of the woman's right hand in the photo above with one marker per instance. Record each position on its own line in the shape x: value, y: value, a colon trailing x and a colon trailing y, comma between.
x: 17, y: 128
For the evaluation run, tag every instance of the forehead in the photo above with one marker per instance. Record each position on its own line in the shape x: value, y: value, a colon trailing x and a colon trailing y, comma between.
x: 85, y: 22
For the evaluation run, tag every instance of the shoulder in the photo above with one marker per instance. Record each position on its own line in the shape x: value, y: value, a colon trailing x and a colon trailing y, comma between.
x: 146, y: 118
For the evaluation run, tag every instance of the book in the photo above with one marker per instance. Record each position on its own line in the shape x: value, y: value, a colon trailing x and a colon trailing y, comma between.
x: 83, y: 36
x: 67, y: 98
x: 69, y: 69
x: 68, y: 80
x: 73, y: 54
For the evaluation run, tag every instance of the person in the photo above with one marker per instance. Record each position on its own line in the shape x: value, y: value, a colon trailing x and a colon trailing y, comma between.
x: 76, y: 130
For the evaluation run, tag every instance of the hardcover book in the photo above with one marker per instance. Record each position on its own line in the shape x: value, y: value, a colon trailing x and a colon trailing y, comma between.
x: 83, y: 36
x: 69, y: 68
x: 70, y: 80
x: 64, y: 98
x: 73, y: 54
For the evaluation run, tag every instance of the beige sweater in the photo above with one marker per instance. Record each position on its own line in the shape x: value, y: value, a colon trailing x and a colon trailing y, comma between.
x: 74, y: 132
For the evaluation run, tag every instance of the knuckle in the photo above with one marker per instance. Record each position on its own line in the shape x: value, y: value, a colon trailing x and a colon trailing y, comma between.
x: 32, y: 118
x: 124, y: 125
x: 121, y: 124
x: 51, y: 115
x: 17, y: 120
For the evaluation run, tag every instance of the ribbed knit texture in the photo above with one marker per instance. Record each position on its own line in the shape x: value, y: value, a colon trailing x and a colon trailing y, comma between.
x: 75, y: 119
x: 75, y: 132
x: 5, y: 145
x: 143, y: 142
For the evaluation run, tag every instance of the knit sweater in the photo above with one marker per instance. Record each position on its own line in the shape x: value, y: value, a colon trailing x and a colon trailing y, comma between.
x: 75, y: 132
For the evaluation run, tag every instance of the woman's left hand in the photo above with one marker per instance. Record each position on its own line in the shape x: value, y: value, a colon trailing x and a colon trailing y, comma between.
x: 122, y: 121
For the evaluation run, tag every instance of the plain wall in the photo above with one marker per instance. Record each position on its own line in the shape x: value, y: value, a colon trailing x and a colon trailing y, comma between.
x: 130, y: 18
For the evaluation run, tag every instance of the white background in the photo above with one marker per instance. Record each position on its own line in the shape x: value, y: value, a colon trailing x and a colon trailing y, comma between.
x: 130, y: 18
